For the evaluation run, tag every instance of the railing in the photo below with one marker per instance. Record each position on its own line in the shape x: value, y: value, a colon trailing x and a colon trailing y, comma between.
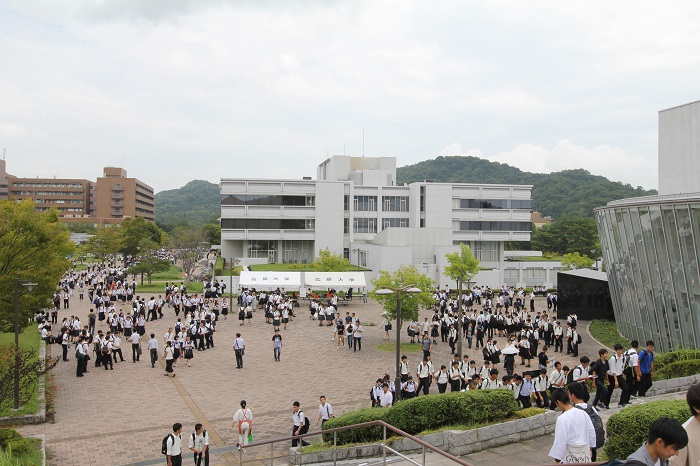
x: 278, y: 453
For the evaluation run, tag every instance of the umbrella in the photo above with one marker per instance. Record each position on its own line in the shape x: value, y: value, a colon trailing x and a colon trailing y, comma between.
x: 510, y: 349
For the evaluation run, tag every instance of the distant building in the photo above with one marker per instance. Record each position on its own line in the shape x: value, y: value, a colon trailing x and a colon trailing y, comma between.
x: 108, y: 201
x: 538, y: 221
x: 119, y: 197
x: 651, y: 244
x: 355, y: 208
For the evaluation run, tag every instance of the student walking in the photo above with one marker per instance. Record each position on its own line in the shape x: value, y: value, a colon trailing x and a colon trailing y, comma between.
x: 300, y: 425
x: 276, y: 344
x: 325, y: 411
x: 168, y: 354
x: 153, y: 349
x: 239, y: 349
x: 243, y: 423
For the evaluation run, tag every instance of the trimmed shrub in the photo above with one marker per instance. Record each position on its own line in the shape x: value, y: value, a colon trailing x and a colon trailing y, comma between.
x: 7, y: 436
x: 529, y: 412
x: 661, y: 360
x: 428, y: 413
x: 682, y: 368
x: 628, y: 429
x: 359, y: 435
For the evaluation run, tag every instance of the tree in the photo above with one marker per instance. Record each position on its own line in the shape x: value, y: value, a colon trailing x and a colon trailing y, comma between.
x: 188, y: 243
x: 567, y: 235
x: 212, y: 233
x: 329, y: 262
x: 463, y: 266
x: 136, y: 229
x: 149, y: 263
x: 406, y: 275
x: 107, y: 241
x: 575, y: 261
x: 33, y: 246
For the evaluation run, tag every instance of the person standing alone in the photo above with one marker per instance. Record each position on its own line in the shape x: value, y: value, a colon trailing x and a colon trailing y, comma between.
x: 239, y: 349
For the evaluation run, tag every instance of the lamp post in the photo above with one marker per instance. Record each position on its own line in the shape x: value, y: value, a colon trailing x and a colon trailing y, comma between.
x: 29, y: 286
x: 230, y: 281
x: 387, y: 291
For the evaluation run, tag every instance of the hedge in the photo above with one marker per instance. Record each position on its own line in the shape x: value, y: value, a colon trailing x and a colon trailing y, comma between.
x: 628, y: 429
x: 681, y: 368
x: 427, y: 413
x: 661, y: 360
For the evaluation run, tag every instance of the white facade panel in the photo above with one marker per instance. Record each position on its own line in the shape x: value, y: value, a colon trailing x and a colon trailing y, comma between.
x: 264, y: 187
x: 679, y: 149
x: 232, y: 187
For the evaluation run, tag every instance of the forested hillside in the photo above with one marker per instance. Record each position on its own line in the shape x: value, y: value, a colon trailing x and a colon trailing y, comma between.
x: 196, y: 203
x: 568, y: 192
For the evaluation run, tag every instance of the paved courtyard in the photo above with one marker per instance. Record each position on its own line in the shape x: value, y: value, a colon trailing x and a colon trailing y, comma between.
x: 121, y: 416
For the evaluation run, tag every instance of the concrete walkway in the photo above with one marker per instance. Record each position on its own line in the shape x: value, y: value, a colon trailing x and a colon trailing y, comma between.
x: 120, y: 416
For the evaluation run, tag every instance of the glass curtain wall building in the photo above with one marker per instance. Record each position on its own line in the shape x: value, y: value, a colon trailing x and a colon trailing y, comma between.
x: 650, y: 246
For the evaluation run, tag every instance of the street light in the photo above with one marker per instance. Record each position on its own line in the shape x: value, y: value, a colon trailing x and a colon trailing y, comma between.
x: 29, y: 286
x: 387, y: 291
x: 230, y: 281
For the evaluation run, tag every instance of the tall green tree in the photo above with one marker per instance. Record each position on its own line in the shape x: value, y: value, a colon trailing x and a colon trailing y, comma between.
x: 406, y: 275
x: 567, y: 235
x: 463, y: 265
x: 136, y: 229
x: 107, y: 241
x: 33, y: 246
x: 576, y: 261
x: 188, y: 244
x: 326, y: 261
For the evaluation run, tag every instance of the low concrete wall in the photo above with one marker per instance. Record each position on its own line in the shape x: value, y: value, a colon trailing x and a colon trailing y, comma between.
x: 40, y: 415
x: 663, y: 387
x: 455, y: 442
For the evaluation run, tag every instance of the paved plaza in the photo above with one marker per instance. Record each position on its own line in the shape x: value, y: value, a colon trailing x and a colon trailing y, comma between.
x: 120, y: 416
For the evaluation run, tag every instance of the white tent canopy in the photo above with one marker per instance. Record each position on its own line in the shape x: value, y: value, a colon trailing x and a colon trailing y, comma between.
x: 334, y: 279
x: 270, y: 280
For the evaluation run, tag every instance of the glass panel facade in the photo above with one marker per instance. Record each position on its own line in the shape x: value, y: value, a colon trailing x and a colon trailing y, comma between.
x: 395, y: 203
x: 651, y: 254
x: 265, y: 199
x: 494, y: 226
x: 495, y: 204
x: 267, y: 224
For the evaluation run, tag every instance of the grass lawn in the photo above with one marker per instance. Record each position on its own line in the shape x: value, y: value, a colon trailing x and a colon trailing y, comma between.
x: 605, y: 331
x: 174, y: 273
x: 28, y: 339
x: 405, y: 347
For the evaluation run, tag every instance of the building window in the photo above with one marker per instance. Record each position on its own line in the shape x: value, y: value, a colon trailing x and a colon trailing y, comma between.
x: 395, y: 223
x: 395, y: 203
x: 365, y: 203
x: 346, y: 202
x: 267, y: 224
x: 346, y: 225
x: 362, y: 258
x: 511, y: 274
x: 364, y: 225
x: 494, y: 226
x: 495, y: 204
x: 265, y: 199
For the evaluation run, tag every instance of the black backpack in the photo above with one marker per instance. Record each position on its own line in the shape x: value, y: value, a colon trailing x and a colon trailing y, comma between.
x: 597, y: 425
x: 164, y: 446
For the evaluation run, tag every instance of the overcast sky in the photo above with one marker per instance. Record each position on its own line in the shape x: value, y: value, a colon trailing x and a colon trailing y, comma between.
x: 175, y: 90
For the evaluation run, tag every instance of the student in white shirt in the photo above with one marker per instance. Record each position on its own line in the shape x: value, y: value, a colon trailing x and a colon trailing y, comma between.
x: 386, y: 399
x: 243, y: 423
x: 325, y: 411
x: 574, y: 435
x: 199, y: 444
x: 173, y: 444
x: 557, y: 380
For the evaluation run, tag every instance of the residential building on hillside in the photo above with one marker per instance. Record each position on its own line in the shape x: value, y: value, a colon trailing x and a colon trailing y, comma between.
x: 107, y: 201
x: 355, y: 208
x: 651, y: 244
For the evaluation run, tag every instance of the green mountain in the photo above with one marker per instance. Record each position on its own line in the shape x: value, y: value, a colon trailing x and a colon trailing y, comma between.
x: 568, y: 192
x: 197, y: 202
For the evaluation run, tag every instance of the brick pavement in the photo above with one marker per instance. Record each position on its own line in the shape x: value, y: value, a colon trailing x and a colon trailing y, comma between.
x: 120, y: 416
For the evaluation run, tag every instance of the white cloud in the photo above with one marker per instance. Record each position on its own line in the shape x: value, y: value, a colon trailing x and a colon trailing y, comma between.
x: 282, y: 83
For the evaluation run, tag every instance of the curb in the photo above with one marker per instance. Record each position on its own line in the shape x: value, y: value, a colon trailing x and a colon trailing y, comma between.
x: 588, y: 331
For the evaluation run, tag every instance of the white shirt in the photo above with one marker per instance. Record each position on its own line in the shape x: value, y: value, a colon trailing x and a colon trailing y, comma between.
x: 199, y: 441
x: 556, y: 377
x: 574, y: 427
x: 152, y: 343
x: 174, y: 445
x: 489, y: 384
x: 617, y: 364
x: 325, y: 410
x: 386, y: 399
x: 242, y: 414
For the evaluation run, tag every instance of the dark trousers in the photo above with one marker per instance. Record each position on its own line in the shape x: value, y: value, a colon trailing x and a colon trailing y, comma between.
x: 239, y: 358
x: 107, y: 359
x: 134, y: 352
x: 624, y: 396
x: 632, y: 384
x: 295, y: 440
x: 200, y: 339
x: 645, y: 384
x: 80, y: 367
x: 209, y: 338
x: 201, y: 459
x: 65, y: 352
x: 542, y: 399
x: 357, y: 344
x: 424, y: 383
x: 454, y: 385
x: 558, y: 344
x: 442, y: 387
x: 176, y: 460
x: 116, y: 351
x: 601, y: 391
x: 154, y: 357
x: 525, y: 401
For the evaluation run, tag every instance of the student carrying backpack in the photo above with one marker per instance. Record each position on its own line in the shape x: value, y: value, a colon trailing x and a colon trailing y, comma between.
x: 597, y: 425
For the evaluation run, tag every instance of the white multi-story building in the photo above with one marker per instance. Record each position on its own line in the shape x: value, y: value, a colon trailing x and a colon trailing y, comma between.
x: 355, y: 208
